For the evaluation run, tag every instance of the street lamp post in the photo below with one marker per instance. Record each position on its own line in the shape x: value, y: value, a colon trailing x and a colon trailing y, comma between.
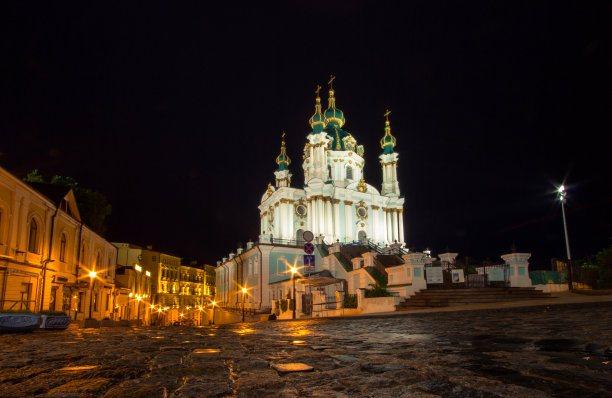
x: 562, y: 198
x: 243, y: 293
x: 213, y: 316
x: 293, y: 272
x: 138, y: 298
x: 92, y: 276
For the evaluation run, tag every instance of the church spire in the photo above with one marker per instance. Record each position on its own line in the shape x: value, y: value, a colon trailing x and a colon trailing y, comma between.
x: 333, y: 115
x: 283, y: 160
x: 387, y: 143
x: 388, y: 161
x: 283, y: 175
x: 317, y: 121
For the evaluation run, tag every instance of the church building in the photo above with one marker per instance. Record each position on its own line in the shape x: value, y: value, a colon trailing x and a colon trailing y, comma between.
x: 348, y: 217
x: 335, y: 202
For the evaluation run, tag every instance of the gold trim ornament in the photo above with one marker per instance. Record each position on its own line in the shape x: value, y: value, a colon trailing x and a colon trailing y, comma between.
x: 301, y: 205
x: 270, y: 190
x: 362, y: 186
x: 361, y: 211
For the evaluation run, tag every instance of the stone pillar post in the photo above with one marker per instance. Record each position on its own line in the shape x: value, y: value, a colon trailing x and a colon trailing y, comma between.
x: 330, y: 218
x: 518, y: 268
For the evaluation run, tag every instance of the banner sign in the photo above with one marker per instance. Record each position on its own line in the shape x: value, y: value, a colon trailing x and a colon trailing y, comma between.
x: 457, y: 275
x: 309, y: 248
x: 434, y: 274
x: 495, y: 274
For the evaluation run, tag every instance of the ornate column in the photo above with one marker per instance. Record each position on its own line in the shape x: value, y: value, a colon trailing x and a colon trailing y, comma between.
x: 395, y: 226
x: 375, y: 223
x: 282, y: 219
x: 308, y: 215
x: 401, y: 225
x: 336, y: 231
x: 321, y: 211
x: 389, y: 238
x: 348, y: 217
x: 329, y: 218
x: 290, y: 215
x: 312, y: 214
x: 277, y: 221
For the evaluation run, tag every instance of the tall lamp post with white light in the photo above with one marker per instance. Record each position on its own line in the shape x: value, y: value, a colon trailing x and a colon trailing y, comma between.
x: 293, y: 272
x: 562, y: 198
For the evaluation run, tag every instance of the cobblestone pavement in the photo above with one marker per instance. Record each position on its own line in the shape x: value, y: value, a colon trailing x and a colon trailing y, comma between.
x: 521, y: 352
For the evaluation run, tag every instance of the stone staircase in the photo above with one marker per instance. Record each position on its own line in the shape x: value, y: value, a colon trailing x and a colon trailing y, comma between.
x: 453, y: 297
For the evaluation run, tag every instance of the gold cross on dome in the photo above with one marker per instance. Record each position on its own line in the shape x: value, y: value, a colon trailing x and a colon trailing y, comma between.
x: 331, y: 81
x: 283, y: 135
x: 317, y: 90
x: 387, y: 114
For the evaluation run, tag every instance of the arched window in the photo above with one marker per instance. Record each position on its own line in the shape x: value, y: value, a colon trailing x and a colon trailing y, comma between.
x: 329, y: 170
x: 62, y: 249
x: 349, y: 173
x: 362, y: 237
x: 33, y: 239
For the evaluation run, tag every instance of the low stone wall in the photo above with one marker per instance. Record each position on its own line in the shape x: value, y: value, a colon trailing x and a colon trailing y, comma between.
x: 553, y: 287
x: 378, y: 304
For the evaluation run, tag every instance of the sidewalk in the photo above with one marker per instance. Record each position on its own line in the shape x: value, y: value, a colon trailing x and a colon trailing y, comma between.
x: 557, y: 299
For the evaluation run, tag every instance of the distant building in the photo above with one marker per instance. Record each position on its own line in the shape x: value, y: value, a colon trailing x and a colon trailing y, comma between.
x: 47, y: 253
x: 159, y: 287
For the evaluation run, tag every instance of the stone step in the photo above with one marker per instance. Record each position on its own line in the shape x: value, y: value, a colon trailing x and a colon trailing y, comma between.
x: 453, y: 297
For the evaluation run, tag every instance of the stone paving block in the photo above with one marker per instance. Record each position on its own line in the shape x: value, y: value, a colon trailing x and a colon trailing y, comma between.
x: 291, y: 367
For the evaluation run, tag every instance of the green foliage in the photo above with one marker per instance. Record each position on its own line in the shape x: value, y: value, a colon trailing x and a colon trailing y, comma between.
x: 34, y: 176
x: 350, y: 301
x: 283, y: 305
x: 93, y: 206
x: 291, y: 305
x: 377, y: 290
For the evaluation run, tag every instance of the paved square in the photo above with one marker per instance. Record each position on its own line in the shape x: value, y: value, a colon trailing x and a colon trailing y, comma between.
x: 561, y: 350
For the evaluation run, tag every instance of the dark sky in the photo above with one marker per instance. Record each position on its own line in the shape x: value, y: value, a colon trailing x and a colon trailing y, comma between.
x: 175, y: 113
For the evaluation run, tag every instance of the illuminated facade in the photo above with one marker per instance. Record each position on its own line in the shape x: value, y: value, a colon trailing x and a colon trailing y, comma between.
x: 336, y: 203
x: 47, y: 253
x: 160, y: 281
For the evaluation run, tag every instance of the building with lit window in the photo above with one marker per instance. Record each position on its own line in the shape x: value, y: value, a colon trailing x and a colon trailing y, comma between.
x: 158, y: 288
x: 47, y: 253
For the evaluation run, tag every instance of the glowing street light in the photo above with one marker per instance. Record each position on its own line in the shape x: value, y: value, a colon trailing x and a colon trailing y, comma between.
x: 92, y: 276
x: 293, y: 272
x: 562, y: 191
x: 243, y: 293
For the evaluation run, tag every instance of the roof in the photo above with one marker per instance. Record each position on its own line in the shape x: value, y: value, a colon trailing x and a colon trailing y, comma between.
x: 389, y: 260
x: 322, y: 278
x: 352, y: 251
x: 55, y: 193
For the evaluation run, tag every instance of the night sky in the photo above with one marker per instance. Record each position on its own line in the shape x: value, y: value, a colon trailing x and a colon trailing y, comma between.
x: 176, y: 113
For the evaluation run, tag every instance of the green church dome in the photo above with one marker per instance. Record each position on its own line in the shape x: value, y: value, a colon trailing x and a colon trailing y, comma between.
x: 283, y: 160
x: 333, y: 115
x: 317, y: 121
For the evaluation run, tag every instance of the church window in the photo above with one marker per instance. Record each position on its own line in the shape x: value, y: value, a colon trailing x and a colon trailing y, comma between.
x: 62, y: 250
x: 300, y: 210
x: 33, y: 238
x: 329, y: 170
x: 349, y: 173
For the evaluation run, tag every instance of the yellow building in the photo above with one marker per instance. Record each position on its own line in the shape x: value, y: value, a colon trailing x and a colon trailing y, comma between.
x: 47, y: 253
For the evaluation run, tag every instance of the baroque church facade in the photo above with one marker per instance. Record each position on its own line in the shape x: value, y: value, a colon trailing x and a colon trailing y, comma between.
x: 348, y: 217
x: 335, y: 203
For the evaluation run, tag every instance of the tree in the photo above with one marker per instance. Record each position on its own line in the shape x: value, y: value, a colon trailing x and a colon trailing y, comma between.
x: 93, y: 206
